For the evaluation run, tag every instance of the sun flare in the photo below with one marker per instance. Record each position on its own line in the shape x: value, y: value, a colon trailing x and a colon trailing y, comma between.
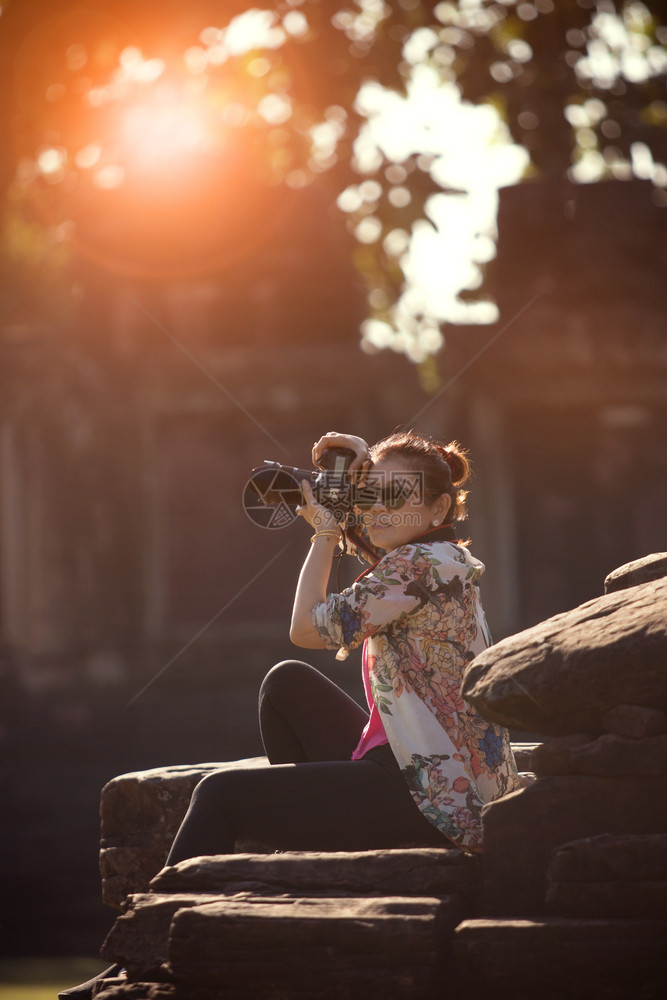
x: 163, y: 131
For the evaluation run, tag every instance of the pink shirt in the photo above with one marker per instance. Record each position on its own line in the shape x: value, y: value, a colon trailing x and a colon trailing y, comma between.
x: 374, y: 734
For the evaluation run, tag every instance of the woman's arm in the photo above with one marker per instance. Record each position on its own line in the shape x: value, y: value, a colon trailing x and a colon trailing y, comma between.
x: 312, y: 586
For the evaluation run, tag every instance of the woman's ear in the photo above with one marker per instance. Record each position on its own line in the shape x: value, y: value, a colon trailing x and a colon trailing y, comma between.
x: 441, y: 507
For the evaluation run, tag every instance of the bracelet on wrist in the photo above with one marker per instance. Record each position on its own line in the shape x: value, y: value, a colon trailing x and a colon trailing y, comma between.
x: 333, y: 532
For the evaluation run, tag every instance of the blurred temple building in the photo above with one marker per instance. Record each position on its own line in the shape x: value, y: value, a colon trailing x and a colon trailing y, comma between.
x: 124, y: 453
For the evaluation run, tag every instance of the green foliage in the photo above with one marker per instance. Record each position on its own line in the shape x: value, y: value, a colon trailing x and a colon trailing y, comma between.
x: 148, y: 133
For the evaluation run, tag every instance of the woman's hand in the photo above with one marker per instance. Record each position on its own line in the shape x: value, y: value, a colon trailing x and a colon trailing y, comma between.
x: 318, y: 517
x: 335, y: 440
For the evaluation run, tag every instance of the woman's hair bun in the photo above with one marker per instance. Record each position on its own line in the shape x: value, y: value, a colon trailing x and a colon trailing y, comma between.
x: 456, y: 458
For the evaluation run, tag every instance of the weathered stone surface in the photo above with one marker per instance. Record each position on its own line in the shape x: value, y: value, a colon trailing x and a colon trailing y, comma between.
x: 251, y: 945
x: 553, y: 756
x: 411, y: 872
x: 141, y: 991
x: 611, y: 755
x: 608, y: 755
x: 609, y: 876
x: 559, y: 959
x: 522, y: 830
x: 564, y: 674
x: 608, y: 899
x: 139, y: 937
x: 378, y: 948
x: 140, y: 814
x: 634, y: 721
x: 633, y: 856
x: 639, y: 571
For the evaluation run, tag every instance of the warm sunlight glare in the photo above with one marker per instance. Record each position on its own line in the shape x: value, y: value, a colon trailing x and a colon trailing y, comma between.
x: 161, y: 132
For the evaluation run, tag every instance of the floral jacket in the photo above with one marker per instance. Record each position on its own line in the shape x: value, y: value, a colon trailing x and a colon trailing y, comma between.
x: 419, y: 612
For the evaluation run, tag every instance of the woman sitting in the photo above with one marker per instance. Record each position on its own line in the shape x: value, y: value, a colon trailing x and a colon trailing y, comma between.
x: 418, y: 767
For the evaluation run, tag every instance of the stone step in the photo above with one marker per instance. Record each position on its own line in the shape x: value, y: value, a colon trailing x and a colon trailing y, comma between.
x: 560, y: 959
x: 415, y: 871
x: 140, y: 814
x: 522, y: 831
x: 606, y: 876
x: 281, y: 946
x: 139, y: 938
x: 386, y: 948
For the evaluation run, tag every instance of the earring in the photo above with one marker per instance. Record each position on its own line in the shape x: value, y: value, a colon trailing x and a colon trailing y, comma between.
x: 436, y: 521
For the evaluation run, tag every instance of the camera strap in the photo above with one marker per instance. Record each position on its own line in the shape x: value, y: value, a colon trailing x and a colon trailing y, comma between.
x: 338, y: 556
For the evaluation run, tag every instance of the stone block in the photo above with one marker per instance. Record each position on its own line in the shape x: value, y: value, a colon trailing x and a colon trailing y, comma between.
x: 553, y: 756
x: 608, y: 755
x: 419, y: 871
x: 643, y: 900
x: 523, y: 829
x: 376, y: 948
x: 609, y: 876
x: 138, y: 940
x: 606, y: 857
x: 247, y: 945
x: 611, y: 756
x: 140, y: 815
x: 144, y: 991
x: 634, y: 721
x: 560, y: 959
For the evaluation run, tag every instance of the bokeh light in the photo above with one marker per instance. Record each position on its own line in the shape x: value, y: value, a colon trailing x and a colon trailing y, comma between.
x: 166, y: 162
x: 168, y: 155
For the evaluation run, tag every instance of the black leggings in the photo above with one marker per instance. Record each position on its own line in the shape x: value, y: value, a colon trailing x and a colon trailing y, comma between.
x: 310, y: 796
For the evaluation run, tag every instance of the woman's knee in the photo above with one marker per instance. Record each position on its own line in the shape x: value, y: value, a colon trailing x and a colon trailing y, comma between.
x: 207, y: 827
x: 284, y: 674
x: 214, y: 790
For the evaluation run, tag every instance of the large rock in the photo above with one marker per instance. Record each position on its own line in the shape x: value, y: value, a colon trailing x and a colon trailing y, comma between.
x: 563, y: 675
x: 636, y: 572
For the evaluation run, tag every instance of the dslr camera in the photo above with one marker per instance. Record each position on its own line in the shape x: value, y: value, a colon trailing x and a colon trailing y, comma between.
x: 277, y: 488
